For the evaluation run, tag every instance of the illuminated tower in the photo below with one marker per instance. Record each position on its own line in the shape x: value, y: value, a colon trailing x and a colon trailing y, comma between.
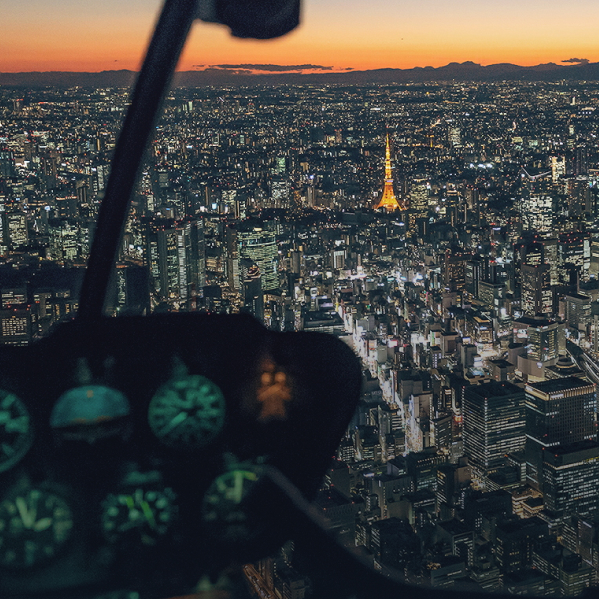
x: 388, y: 200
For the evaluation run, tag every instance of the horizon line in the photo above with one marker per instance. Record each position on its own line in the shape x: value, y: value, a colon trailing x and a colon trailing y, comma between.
x: 334, y: 70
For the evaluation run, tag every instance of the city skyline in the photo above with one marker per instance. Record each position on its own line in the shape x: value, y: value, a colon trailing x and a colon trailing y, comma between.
x: 470, y: 297
x: 64, y: 36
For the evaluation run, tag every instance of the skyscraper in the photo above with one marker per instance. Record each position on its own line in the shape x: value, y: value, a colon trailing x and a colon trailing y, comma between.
x: 537, y: 295
x: 571, y: 480
x: 558, y: 412
x: 260, y: 246
x: 493, y: 425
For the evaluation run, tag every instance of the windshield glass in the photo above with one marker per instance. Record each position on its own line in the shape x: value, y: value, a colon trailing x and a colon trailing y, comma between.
x: 441, y: 220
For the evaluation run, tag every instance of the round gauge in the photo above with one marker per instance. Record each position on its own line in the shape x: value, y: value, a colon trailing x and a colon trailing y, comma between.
x: 141, y: 515
x: 89, y: 404
x: 221, y: 508
x: 34, y: 527
x: 187, y: 412
x: 16, y: 432
x: 89, y: 413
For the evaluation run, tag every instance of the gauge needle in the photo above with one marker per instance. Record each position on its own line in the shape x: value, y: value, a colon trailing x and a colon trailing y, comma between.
x: 238, y: 487
x: 176, y: 421
x: 27, y: 518
x: 148, y: 513
x: 42, y: 524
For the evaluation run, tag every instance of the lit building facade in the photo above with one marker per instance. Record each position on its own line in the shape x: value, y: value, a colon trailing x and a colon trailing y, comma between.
x: 558, y: 412
x: 571, y: 480
x: 493, y: 425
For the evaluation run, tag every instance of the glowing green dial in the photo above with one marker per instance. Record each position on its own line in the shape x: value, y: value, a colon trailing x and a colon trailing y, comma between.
x: 222, y: 510
x: 16, y: 434
x: 187, y: 412
x: 139, y: 514
x: 34, y: 526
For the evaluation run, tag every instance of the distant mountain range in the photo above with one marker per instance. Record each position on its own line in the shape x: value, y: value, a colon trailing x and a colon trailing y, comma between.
x: 465, y: 71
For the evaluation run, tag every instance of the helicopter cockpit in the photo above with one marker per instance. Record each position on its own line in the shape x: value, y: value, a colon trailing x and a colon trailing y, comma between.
x: 153, y: 456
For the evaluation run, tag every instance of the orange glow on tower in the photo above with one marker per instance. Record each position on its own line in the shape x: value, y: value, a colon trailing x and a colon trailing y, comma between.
x: 388, y: 199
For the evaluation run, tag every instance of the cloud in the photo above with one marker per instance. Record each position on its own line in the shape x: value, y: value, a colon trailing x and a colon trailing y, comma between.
x: 273, y: 67
x: 577, y: 60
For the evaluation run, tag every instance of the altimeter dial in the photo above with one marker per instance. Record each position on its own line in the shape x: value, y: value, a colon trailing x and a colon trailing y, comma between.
x: 187, y: 412
x: 34, y: 526
x: 16, y: 432
x: 139, y: 515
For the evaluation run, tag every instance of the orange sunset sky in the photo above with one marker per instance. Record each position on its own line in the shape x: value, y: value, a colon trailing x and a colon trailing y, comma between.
x: 92, y: 35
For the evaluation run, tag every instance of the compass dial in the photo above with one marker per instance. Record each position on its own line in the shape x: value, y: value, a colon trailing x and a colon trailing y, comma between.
x: 187, y: 412
x: 34, y: 526
x: 16, y: 432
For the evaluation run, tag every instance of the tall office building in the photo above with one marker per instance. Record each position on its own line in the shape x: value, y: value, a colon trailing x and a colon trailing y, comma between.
x: 537, y: 213
x: 537, y: 202
x: 196, y: 253
x: 516, y: 541
x: 15, y: 325
x: 578, y: 311
x: 493, y: 425
x: 168, y: 263
x: 537, y: 295
x: 544, y: 340
x: 571, y: 480
x: 175, y: 256
x: 63, y: 240
x: 16, y: 227
x: 232, y: 264
x: 251, y: 285
x: 260, y: 246
x: 419, y: 192
x: 558, y: 412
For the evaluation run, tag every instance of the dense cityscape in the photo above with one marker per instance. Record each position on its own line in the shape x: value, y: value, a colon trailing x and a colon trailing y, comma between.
x: 449, y: 233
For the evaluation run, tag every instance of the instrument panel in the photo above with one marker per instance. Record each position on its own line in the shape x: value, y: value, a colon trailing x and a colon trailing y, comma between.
x: 116, y: 437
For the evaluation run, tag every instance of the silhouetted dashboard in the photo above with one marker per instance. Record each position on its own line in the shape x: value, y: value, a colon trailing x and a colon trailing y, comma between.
x: 126, y: 445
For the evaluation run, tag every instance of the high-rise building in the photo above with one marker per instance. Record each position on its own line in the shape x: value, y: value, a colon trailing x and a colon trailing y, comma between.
x: 544, y: 340
x: 571, y: 480
x: 558, y: 167
x: 575, y: 249
x: 172, y: 255
x: 260, y: 246
x: 419, y: 192
x: 578, y: 310
x: 196, y: 253
x: 493, y: 425
x: 393, y: 542
x: 63, y: 240
x: 558, y: 412
x: 516, y: 541
x: 16, y: 226
x: 251, y: 285
x: 15, y: 325
x: 537, y: 295
x: 536, y: 203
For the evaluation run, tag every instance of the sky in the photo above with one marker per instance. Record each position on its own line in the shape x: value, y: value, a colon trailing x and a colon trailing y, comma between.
x: 93, y: 35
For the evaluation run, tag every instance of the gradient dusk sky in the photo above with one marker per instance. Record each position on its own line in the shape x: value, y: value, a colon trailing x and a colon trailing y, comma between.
x: 93, y: 35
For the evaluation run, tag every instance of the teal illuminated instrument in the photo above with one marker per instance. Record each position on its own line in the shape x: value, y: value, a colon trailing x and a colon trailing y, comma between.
x: 222, y: 509
x: 16, y: 433
x: 139, y: 515
x: 187, y: 412
x: 34, y: 527
x: 88, y: 404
